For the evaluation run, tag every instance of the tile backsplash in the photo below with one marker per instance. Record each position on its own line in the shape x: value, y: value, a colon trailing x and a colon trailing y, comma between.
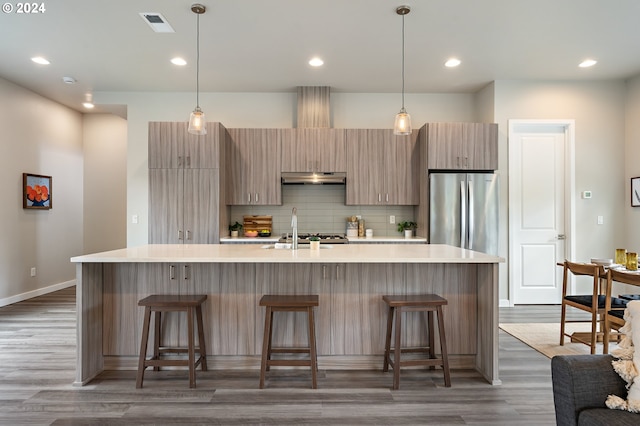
x: 321, y: 208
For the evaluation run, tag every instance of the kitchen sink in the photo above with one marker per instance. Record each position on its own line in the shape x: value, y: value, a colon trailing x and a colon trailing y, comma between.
x: 287, y: 246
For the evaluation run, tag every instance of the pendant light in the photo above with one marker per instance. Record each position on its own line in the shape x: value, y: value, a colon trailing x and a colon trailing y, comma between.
x: 402, y: 125
x: 197, y: 125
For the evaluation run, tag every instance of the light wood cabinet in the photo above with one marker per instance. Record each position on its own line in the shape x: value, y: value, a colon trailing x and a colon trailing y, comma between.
x: 462, y: 146
x: 184, y: 206
x: 314, y: 150
x: 253, y: 163
x: 382, y: 168
x: 228, y: 313
x: 172, y: 147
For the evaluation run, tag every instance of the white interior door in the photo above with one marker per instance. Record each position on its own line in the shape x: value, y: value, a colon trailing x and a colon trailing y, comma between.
x: 540, y: 155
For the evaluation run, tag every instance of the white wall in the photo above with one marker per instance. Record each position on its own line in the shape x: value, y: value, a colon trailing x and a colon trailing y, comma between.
x: 42, y: 137
x: 598, y: 109
x: 105, y: 182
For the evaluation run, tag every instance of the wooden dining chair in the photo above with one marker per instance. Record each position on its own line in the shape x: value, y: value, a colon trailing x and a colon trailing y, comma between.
x: 614, y: 315
x: 594, y: 303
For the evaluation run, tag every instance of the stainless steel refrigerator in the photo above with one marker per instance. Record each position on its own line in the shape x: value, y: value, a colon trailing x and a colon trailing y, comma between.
x: 463, y: 210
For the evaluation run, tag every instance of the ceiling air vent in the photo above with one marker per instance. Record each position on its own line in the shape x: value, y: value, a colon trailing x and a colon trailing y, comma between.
x: 157, y: 22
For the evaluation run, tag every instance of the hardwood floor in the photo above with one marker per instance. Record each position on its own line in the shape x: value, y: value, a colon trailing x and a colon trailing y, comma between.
x: 37, y: 360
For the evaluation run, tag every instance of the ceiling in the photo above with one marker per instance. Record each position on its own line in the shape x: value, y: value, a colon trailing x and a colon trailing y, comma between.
x: 264, y: 45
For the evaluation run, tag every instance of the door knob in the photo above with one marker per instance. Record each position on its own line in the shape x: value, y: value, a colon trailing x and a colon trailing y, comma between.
x: 561, y: 237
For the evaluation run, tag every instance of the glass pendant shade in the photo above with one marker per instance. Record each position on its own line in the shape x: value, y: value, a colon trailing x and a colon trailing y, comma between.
x: 197, y: 122
x: 402, y: 125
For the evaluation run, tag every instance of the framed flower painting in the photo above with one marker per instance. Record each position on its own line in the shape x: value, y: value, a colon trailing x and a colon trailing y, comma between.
x: 36, y: 191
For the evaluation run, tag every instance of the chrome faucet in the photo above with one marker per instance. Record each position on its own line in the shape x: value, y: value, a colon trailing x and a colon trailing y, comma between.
x: 294, y: 225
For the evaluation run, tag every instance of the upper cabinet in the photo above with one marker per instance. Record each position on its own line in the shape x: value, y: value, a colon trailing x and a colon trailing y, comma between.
x: 314, y: 150
x: 382, y: 168
x: 253, y: 167
x: 462, y: 146
x: 172, y: 147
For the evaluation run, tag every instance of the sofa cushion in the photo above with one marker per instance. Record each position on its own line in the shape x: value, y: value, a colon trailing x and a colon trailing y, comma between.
x: 606, y: 417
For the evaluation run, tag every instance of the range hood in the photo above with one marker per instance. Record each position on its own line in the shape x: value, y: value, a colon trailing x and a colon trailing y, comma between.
x: 313, y: 178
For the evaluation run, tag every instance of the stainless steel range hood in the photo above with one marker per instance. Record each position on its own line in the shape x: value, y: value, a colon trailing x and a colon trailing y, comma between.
x: 313, y: 178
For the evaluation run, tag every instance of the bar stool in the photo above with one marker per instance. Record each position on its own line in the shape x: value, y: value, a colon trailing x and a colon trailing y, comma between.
x: 415, y: 303
x: 288, y: 303
x: 169, y: 303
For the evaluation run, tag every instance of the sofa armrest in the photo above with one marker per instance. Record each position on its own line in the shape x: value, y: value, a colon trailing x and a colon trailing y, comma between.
x: 583, y: 381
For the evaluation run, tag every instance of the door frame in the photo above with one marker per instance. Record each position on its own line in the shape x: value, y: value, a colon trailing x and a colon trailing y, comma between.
x: 569, y: 183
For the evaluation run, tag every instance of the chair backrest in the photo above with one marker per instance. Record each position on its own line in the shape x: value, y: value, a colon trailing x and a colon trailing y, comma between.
x: 624, y: 277
x: 590, y: 269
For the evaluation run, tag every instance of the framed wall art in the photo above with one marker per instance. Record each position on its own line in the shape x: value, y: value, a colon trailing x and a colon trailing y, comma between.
x: 635, y: 192
x: 36, y: 191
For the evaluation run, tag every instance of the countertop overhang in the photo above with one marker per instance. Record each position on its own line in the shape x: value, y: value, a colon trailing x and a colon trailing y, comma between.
x: 254, y: 253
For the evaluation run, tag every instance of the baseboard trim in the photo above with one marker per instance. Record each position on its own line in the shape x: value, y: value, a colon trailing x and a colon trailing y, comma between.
x: 35, y: 293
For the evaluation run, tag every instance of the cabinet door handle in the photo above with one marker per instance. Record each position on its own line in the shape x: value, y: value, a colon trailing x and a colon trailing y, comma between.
x: 256, y: 199
x: 249, y: 199
x: 179, y: 161
x: 379, y: 198
x: 172, y: 272
x: 186, y: 272
x: 387, y: 197
x: 188, y: 235
x: 179, y: 235
x: 337, y: 272
x: 324, y: 272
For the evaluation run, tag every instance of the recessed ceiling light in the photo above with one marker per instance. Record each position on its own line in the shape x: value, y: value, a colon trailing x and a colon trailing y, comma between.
x: 40, y: 60
x: 88, y: 105
x: 587, y: 63
x: 69, y: 80
x: 452, y: 62
x: 178, y: 61
x: 316, y: 62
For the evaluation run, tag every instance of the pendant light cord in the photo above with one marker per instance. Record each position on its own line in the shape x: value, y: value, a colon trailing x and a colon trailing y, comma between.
x: 402, y: 62
x: 198, y: 61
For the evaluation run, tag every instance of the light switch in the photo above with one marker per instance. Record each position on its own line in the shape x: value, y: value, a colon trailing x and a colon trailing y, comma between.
x: 586, y: 194
x: 600, y: 220
x: 134, y: 218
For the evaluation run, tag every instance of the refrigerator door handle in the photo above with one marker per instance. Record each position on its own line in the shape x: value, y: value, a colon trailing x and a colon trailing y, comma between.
x: 471, y: 218
x: 463, y: 215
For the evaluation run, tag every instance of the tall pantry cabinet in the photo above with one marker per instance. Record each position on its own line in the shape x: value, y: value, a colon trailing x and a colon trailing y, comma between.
x: 185, y: 201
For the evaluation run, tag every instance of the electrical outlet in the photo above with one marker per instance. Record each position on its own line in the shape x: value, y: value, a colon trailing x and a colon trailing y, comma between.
x: 134, y: 218
x: 392, y: 219
x: 33, y: 271
x: 600, y: 220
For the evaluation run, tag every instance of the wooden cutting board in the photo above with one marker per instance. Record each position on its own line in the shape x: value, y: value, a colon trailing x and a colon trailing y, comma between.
x: 257, y: 223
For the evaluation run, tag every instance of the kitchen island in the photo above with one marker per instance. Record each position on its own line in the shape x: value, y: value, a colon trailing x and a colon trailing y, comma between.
x: 349, y: 279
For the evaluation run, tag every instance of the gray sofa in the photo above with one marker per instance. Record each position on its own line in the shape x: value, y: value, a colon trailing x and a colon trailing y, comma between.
x: 581, y: 384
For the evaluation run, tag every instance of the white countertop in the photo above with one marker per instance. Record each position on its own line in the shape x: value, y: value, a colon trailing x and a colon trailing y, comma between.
x: 254, y: 253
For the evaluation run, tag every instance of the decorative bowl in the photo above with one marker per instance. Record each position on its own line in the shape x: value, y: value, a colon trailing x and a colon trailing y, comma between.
x: 251, y: 234
x: 264, y: 233
x: 604, y: 262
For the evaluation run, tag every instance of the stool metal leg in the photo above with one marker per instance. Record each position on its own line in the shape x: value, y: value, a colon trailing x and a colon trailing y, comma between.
x: 143, y: 347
